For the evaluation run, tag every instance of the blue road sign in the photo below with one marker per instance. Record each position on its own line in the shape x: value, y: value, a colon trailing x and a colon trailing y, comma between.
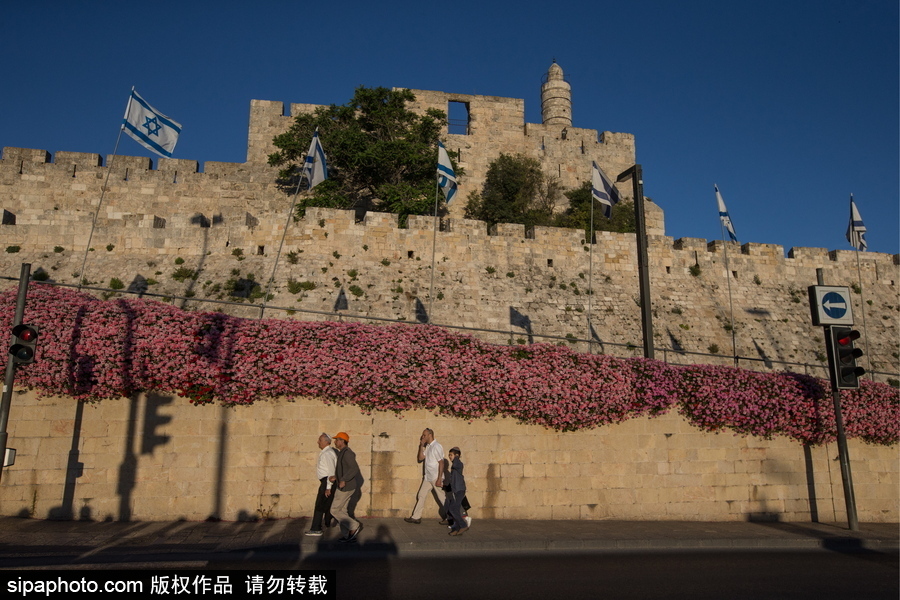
x: 834, y: 305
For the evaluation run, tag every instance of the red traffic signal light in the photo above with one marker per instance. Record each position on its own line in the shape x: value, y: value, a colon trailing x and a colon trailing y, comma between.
x: 844, y: 368
x: 24, y: 344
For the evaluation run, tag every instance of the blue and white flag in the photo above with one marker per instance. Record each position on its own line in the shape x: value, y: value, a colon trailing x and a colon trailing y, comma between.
x: 149, y: 127
x: 315, y: 167
x: 724, y: 216
x: 856, y: 231
x: 445, y: 176
x: 603, y: 191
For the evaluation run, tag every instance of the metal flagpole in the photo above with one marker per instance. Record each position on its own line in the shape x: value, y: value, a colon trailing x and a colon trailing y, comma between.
x: 591, y: 279
x: 862, y: 303
x: 437, y: 190
x: 281, y: 244
x: 112, y: 159
x: 730, y: 303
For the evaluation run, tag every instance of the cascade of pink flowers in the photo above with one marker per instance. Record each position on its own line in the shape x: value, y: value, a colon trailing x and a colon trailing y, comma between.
x: 93, y: 350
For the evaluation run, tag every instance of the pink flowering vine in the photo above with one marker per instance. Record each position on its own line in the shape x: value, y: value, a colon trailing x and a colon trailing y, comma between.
x: 91, y: 350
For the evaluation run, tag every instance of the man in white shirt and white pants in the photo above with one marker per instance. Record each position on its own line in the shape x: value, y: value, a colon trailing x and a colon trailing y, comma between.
x: 431, y: 454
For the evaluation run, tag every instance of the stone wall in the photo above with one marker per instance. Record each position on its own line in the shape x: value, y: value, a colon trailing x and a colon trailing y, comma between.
x: 160, y: 458
x: 226, y: 223
x: 496, y: 125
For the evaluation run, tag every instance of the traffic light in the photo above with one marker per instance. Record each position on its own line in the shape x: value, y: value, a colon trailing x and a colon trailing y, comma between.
x: 24, y: 344
x: 844, y: 355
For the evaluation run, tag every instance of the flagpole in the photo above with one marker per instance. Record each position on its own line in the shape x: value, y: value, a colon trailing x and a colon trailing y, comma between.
x: 591, y: 279
x: 437, y: 189
x: 862, y: 303
x: 109, y: 166
x: 281, y: 244
x: 730, y: 303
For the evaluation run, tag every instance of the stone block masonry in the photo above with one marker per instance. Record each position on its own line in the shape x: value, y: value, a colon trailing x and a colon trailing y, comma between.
x: 154, y: 457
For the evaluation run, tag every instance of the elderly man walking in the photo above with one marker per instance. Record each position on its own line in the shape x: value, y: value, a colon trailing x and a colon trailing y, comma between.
x: 431, y: 454
x: 346, y: 480
x: 325, y: 467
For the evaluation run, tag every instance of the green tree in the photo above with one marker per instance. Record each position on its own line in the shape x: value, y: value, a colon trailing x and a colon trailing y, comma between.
x: 381, y: 155
x: 515, y: 191
x: 578, y: 215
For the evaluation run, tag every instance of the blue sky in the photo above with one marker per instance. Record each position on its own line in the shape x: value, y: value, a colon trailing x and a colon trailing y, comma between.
x: 789, y: 106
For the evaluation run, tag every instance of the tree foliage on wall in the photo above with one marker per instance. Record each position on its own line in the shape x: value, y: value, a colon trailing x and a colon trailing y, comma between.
x: 517, y: 191
x: 578, y: 214
x: 381, y: 155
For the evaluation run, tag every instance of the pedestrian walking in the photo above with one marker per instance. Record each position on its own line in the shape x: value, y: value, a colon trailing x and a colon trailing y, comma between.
x: 431, y: 455
x: 346, y: 481
x: 458, y: 493
x: 325, y: 468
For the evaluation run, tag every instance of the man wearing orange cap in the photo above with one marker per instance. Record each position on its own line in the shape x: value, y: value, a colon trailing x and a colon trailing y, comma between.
x: 345, y: 478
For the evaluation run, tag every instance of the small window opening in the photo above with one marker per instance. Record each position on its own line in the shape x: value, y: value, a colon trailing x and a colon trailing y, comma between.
x: 734, y: 274
x: 458, y: 117
x: 668, y: 270
x: 549, y: 262
x: 260, y: 250
x: 410, y: 254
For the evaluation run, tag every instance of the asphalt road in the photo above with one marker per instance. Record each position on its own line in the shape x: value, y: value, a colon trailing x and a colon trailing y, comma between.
x: 717, y: 575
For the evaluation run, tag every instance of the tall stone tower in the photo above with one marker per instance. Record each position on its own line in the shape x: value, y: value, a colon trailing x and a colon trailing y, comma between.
x: 556, y: 98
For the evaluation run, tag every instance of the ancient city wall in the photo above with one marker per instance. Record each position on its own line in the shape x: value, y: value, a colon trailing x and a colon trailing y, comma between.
x: 158, y: 457
x: 225, y: 225
x: 495, y: 125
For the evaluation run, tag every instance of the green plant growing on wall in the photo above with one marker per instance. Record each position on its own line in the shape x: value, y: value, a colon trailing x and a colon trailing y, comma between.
x: 12, y: 249
x: 179, y: 261
x: 58, y: 249
x: 695, y: 270
x: 238, y: 253
x: 116, y: 284
x: 183, y: 274
x: 491, y: 270
x: 356, y: 290
x: 293, y: 257
x: 713, y: 348
x: 110, y: 247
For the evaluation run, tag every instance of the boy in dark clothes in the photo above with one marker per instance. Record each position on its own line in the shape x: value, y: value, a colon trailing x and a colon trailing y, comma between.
x: 457, y: 493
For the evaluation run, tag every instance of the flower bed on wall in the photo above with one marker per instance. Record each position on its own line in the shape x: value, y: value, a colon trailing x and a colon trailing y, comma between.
x: 92, y: 350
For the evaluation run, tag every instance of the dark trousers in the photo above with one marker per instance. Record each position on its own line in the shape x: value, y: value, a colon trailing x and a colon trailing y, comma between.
x: 455, y: 508
x: 323, y: 506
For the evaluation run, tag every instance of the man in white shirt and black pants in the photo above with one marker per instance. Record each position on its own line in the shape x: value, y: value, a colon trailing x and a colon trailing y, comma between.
x: 431, y: 454
x: 324, y: 469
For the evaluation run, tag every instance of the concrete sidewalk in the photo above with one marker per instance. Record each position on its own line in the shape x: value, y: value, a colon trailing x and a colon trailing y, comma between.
x: 30, y: 543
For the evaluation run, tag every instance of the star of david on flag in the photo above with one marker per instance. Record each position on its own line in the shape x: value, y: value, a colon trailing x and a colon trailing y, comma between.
x: 149, y: 127
x: 856, y: 231
x: 724, y: 216
x: 603, y: 191
x: 445, y: 176
x: 315, y: 167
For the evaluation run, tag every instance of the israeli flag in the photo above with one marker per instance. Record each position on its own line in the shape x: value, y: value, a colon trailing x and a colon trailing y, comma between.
x: 315, y: 167
x: 724, y: 216
x: 603, y: 191
x: 149, y: 127
x: 445, y: 176
x: 856, y: 231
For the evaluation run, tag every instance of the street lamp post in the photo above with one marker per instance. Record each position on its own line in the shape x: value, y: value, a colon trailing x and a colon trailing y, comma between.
x: 640, y: 224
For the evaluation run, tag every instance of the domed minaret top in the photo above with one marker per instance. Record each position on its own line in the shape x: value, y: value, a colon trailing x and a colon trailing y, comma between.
x: 556, y: 98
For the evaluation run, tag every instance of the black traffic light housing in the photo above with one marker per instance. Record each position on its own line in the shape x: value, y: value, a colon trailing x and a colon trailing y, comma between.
x: 24, y: 344
x: 844, y: 369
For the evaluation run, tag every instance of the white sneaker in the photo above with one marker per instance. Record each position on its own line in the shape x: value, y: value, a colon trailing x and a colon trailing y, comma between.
x: 468, y: 521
